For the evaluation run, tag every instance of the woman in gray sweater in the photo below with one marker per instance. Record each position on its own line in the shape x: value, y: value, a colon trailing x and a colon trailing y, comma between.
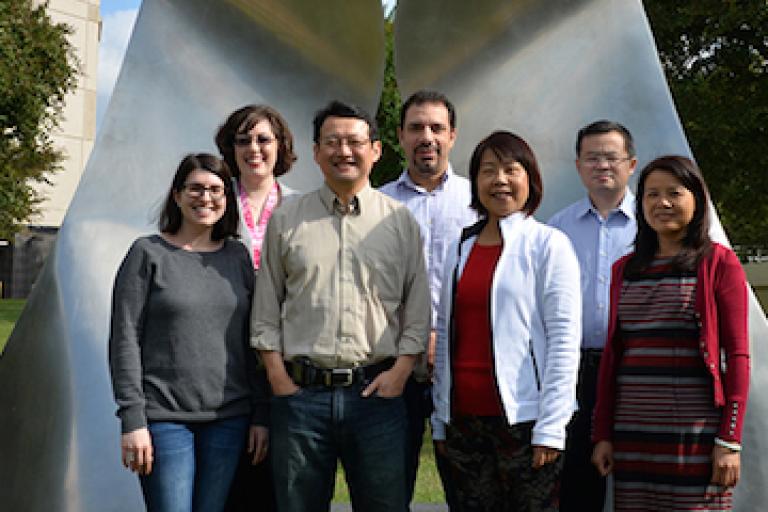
x: 182, y: 372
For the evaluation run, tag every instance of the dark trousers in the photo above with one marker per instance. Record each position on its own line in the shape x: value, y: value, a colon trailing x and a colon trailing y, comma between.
x: 252, y: 487
x: 316, y: 427
x: 491, y: 467
x: 418, y: 403
x: 582, y: 488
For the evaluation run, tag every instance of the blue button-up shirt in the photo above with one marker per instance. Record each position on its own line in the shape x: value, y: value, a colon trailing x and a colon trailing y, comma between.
x: 598, y: 243
x: 441, y: 214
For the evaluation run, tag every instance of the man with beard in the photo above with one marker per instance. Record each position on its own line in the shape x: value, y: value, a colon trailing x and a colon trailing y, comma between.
x: 601, y: 227
x: 439, y: 199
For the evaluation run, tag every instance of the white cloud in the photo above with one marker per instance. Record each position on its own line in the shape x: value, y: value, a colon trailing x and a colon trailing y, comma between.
x: 115, y: 32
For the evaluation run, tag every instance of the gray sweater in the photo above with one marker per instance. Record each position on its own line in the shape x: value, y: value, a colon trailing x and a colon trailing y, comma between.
x: 178, y: 345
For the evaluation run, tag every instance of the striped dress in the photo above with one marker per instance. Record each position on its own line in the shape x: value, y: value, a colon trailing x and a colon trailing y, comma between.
x: 665, y: 420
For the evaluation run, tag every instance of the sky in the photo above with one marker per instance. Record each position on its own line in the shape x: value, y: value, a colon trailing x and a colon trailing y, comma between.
x: 118, y: 17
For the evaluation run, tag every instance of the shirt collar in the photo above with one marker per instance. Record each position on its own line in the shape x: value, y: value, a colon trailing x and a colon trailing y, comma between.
x: 405, y: 180
x: 626, y: 207
x: 333, y: 205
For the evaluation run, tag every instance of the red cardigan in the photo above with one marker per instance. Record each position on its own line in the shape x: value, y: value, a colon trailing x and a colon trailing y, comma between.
x: 721, y: 311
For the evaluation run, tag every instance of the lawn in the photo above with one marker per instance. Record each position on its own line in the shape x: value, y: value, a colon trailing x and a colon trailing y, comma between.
x: 10, y: 309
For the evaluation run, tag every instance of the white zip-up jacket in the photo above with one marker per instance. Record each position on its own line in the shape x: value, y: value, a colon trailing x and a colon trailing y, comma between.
x: 535, y: 324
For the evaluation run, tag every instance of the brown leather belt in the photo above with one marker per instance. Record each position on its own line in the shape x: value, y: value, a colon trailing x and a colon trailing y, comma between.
x: 305, y: 374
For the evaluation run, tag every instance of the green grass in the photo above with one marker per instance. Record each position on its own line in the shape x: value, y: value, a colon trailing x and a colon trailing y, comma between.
x: 428, y: 487
x: 10, y: 309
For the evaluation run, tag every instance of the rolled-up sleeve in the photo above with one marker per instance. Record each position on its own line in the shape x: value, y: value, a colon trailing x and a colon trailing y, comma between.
x: 417, y: 305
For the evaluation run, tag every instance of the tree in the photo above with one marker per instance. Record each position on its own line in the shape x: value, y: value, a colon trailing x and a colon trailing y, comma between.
x: 392, y: 161
x: 715, y: 57
x: 38, y: 68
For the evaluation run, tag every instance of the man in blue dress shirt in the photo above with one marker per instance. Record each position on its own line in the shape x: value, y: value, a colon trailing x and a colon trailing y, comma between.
x: 439, y: 199
x: 602, y: 228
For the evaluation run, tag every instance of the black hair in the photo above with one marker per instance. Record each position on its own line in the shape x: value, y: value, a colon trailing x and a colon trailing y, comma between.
x: 604, y: 126
x: 507, y: 147
x: 426, y: 96
x: 338, y: 109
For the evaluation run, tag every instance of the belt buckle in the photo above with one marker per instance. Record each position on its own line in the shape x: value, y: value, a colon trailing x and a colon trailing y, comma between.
x: 339, y: 377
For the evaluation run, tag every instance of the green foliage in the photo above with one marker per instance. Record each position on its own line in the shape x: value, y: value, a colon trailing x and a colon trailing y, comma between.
x: 391, y: 163
x: 37, y: 69
x: 715, y: 56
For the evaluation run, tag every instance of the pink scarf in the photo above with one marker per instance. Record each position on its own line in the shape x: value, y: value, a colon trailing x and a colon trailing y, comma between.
x: 257, y: 230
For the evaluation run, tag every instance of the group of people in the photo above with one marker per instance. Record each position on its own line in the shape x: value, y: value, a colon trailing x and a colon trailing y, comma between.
x: 307, y: 330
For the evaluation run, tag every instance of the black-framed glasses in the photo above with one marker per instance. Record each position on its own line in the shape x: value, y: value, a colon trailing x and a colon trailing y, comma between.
x: 243, y: 139
x: 196, y: 191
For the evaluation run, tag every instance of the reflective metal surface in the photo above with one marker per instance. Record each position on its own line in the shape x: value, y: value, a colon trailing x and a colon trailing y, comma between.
x: 543, y: 70
x: 189, y: 63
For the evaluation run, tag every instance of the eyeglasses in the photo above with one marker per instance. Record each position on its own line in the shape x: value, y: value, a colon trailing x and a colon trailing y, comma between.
x: 612, y: 160
x: 243, y: 139
x: 337, y: 142
x: 196, y: 191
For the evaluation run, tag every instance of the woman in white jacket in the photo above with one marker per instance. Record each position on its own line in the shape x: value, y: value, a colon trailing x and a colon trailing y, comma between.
x: 508, y: 340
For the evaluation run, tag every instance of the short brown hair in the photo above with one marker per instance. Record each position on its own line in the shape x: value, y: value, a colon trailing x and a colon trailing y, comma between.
x: 243, y: 120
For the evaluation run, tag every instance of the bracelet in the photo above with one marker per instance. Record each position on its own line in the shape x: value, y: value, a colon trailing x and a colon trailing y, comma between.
x: 734, y: 447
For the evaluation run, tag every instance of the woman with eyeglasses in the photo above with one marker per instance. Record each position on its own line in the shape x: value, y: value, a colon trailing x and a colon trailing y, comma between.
x: 508, y: 336
x: 673, y: 381
x: 257, y: 145
x: 182, y: 370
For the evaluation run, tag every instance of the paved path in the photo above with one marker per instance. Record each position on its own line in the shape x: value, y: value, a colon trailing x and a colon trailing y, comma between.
x: 416, y: 507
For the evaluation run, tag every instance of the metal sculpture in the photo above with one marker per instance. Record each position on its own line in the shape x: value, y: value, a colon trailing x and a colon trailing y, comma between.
x: 189, y: 63
x: 544, y: 70
x: 541, y: 69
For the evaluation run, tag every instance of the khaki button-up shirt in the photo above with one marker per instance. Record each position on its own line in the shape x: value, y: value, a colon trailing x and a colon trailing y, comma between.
x: 344, y: 288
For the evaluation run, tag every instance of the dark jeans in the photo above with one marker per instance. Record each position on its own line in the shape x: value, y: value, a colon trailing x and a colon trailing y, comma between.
x: 194, y: 464
x: 252, y: 488
x: 316, y: 427
x: 491, y: 468
x: 418, y: 402
x: 582, y: 488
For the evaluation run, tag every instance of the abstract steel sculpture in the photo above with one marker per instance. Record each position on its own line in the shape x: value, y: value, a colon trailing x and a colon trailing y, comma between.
x: 541, y: 69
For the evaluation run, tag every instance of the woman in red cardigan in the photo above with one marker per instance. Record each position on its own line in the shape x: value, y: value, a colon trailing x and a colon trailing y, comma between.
x: 674, y: 376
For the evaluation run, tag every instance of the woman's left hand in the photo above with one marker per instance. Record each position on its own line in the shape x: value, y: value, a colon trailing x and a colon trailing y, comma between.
x: 726, y: 466
x: 258, y: 443
x: 543, y: 455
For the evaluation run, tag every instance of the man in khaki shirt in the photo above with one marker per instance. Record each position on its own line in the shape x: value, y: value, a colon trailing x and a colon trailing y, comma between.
x: 341, y: 311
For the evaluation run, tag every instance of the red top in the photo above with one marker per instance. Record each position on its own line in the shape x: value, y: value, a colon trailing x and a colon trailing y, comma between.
x: 721, y: 311
x: 474, y: 381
